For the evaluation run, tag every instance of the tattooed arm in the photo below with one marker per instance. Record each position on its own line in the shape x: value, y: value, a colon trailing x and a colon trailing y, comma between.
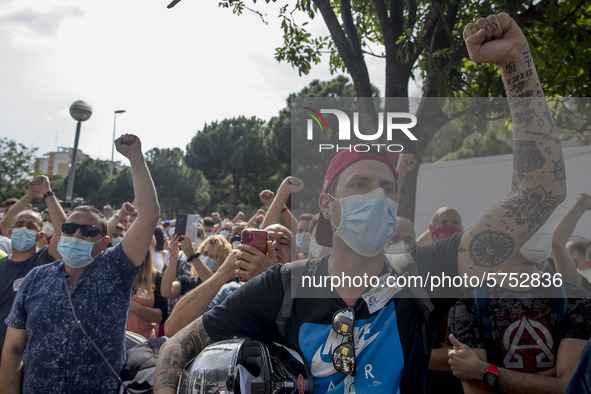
x: 175, y: 353
x: 538, y: 185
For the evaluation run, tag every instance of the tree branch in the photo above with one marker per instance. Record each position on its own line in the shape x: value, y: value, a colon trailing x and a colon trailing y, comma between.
x: 349, y: 26
x: 355, y: 65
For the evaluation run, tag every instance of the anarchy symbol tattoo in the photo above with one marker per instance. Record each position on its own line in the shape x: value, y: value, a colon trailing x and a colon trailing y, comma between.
x: 489, y: 249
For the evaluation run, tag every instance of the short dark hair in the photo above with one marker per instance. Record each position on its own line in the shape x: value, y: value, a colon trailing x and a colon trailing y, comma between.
x: 578, y: 245
x: 159, y: 235
x: 305, y: 216
x: 10, y: 201
x: 95, y: 212
x: 208, y: 221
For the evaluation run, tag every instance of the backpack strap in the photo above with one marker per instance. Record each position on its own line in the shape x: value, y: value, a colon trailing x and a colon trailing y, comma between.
x: 291, y: 276
x: 404, y: 265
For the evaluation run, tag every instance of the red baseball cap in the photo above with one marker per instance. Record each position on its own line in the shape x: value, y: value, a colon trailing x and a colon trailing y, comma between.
x: 339, y: 162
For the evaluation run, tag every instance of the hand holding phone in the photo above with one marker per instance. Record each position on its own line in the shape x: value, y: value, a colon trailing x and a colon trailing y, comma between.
x: 256, y: 238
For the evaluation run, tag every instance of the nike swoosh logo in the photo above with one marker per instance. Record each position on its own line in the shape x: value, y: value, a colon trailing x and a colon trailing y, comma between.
x: 319, y: 367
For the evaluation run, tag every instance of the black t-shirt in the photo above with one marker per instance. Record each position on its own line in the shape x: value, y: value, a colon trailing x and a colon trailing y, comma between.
x: 188, y: 283
x: 12, y: 274
x: 390, y: 346
x: 159, y: 301
x: 523, y: 325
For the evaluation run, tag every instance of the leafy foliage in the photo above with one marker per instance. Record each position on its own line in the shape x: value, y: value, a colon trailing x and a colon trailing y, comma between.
x: 17, y: 165
x: 236, y: 151
x: 180, y: 189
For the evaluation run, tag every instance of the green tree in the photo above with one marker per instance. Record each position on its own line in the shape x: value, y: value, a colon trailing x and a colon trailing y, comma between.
x: 17, y: 165
x: 278, y: 130
x: 89, y: 178
x: 425, y: 38
x: 234, y: 156
x: 180, y: 189
x: 118, y: 188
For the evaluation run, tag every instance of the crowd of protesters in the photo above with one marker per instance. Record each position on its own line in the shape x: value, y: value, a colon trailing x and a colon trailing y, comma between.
x: 72, y: 283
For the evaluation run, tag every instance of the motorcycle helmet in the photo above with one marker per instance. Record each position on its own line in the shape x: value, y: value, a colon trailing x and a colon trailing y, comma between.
x: 246, y: 366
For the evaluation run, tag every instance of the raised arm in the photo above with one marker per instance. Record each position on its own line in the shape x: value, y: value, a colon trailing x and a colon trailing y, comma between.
x: 539, y: 184
x: 170, y: 288
x: 137, y: 240
x: 127, y: 209
x: 195, y: 302
x: 565, y: 264
x: 278, y: 209
x: 406, y: 162
x: 40, y: 185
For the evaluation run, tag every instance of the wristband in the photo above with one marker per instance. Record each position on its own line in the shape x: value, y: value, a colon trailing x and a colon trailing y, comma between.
x: 490, y: 377
x: 284, y: 209
x: 193, y: 257
x: 117, y: 216
x: 48, y: 194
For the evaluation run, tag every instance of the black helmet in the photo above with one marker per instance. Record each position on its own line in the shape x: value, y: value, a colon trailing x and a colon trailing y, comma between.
x: 246, y: 366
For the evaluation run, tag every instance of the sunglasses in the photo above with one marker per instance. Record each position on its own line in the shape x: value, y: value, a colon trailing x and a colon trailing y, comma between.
x: 87, y: 230
x: 343, y: 357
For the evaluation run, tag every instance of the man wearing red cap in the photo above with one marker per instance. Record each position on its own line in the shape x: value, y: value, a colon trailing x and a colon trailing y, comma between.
x: 376, y: 338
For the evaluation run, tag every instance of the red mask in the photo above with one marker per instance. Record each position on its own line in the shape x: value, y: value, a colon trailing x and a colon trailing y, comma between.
x: 444, y: 232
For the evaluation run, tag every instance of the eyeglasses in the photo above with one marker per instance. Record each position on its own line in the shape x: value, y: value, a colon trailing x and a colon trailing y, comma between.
x: 87, y: 230
x: 343, y: 357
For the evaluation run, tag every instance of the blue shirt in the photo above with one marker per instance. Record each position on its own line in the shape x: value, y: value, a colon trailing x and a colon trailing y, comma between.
x: 223, y: 293
x: 58, y: 357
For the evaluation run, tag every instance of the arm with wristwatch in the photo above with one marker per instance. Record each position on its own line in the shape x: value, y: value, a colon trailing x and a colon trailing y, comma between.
x: 479, y: 376
x: 203, y: 271
x: 127, y: 209
x: 40, y: 186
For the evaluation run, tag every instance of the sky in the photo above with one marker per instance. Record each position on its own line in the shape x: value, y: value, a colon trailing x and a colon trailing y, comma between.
x: 171, y: 70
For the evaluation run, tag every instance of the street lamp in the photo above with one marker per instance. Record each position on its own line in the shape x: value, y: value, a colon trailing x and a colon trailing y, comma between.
x: 120, y: 111
x: 80, y: 111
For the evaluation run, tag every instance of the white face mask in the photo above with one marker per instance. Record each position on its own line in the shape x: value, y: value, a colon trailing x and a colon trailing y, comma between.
x: 399, y: 247
x: 316, y: 250
x: 586, y: 273
x: 538, y: 248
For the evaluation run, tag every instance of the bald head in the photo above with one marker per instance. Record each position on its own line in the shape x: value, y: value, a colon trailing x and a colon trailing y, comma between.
x: 445, y: 216
x: 405, y: 231
x: 280, y: 237
x: 26, y: 216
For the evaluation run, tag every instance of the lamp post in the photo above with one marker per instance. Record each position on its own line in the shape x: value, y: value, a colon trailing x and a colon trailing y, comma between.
x: 80, y: 111
x: 120, y: 111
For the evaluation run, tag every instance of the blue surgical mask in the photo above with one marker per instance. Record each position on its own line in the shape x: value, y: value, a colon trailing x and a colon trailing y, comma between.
x: 76, y: 252
x: 367, y: 221
x: 208, y: 261
x: 116, y: 240
x: 302, y: 242
x: 224, y: 233
x: 23, y: 239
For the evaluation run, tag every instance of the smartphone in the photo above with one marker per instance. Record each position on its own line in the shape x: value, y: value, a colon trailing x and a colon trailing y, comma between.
x: 256, y: 238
